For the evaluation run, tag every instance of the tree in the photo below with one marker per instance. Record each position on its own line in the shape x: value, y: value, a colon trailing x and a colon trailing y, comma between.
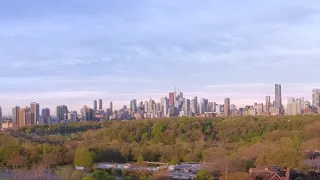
x: 204, y: 175
x: 101, y: 175
x: 140, y: 159
x: 83, y: 157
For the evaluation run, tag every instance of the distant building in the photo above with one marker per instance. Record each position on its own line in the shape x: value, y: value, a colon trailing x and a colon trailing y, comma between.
x: 100, y: 104
x: 278, y: 98
x: 0, y: 113
x: 111, y: 107
x: 35, y: 110
x: 15, y: 114
x: 268, y: 103
x: 73, y: 116
x: 171, y: 98
x: 61, y: 112
x: 95, y: 105
x: 316, y: 98
x: 294, y: 107
x: 226, y: 108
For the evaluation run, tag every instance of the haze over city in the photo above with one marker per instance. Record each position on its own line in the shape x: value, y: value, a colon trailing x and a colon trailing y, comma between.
x: 71, y: 52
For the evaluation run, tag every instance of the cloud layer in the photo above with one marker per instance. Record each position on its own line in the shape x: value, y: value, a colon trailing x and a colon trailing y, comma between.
x: 76, y: 51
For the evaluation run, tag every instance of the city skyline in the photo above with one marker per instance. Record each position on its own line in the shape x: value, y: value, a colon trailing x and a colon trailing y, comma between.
x: 76, y: 51
x: 268, y: 98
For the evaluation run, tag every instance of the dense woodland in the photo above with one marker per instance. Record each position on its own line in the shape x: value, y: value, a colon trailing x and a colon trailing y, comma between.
x: 227, y: 145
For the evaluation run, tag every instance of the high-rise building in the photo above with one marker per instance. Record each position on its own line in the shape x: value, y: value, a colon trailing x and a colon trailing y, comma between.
x: 15, y: 114
x: 35, y: 110
x: 278, y: 99
x: 146, y: 106
x: 0, y: 113
x: 202, y: 106
x: 45, y: 111
x: 226, y: 107
x: 111, y: 107
x: 100, y: 104
x: 133, y: 106
x: 22, y: 117
x: 61, y: 112
x: 294, y: 107
x: 316, y: 98
x: 268, y: 103
x: 165, y: 107
x: 95, y: 105
x: 150, y: 105
x: 87, y: 113
x: 171, y: 98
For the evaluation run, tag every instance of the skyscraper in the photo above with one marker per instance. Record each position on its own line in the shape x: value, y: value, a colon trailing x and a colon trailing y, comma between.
x: 95, y: 105
x: 45, y: 112
x: 268, y: 103
x: 100, y: 104
x: 171, y: 98
x: 316, y: 98
x: 22, y: 117
x: 15, y: 114
x: 226, y: 107
x: 61, y: 112
x: 278, y: 99
x: 111, y: 107
x: 133, y: 106
x: 0, y: 113
x: 202, y: 105
x: 35, y: 112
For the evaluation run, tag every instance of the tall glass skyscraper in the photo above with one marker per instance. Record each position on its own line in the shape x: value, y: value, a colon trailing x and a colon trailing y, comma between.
x: 316, y: 98
x: 277, y: 96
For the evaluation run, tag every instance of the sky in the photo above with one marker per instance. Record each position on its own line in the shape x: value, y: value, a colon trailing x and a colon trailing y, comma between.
x: 74, y: 51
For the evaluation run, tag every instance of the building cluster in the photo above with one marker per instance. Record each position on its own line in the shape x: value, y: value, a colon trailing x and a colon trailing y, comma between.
x: 175, y: 105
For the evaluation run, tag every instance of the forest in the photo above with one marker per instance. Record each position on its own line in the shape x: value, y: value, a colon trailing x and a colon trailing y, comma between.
x: 229, y: 145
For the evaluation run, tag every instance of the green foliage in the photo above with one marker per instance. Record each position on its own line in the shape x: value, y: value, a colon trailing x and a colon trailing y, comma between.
x: 204, y: 175
x: 83, y: 157
x: 101, y: 175
x: 140, y: 159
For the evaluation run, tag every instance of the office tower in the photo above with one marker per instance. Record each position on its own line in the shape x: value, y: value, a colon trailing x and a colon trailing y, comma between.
x: 146, y: 106
x: 100, y: 104
x: 87, y: 113
x: 28, y: 118
x: 165, y: 107
x: 268, y: 104
x: 316, y: 98
x: 45, y: 111
x: 226, y: 107
x: 22, y: 117
x: 15, y: 114
x: 133, y: 106
x: 111, y: 107
x: 95, y: 105
x: 171, y: 99
x: 302, y: 102
x: 260, y: 108
x: 186, y: 105
x: 35, y: 110
x: 278, y: 99
x: 158, y: 107
x: 0, y: 113
x: 294, y: 107
x: 162, y: 101
x: 150, y: 106
x: 202, y: 106
x: 61, y: 112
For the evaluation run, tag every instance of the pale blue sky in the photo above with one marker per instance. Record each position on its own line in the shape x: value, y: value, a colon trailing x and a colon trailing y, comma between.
x: 73, y: 51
